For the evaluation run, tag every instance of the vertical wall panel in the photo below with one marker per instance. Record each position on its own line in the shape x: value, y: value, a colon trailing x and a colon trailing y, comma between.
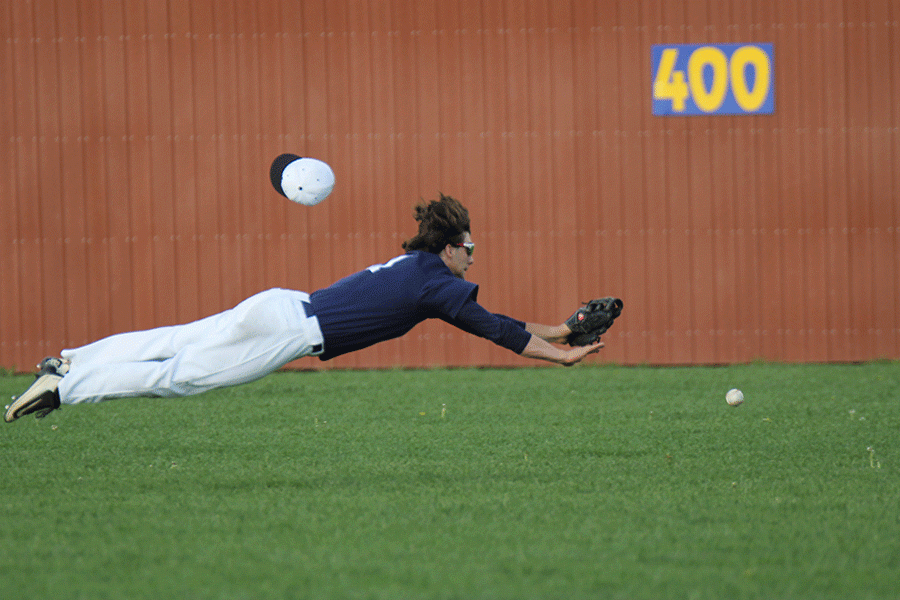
x: 835, y: 95
x: 682, y: 314
x: 10, y: 322
x: 882, y: 102
x: 893, y: 218
x: 560, y: 283
x: 496, y: 195
x: 294, y: 262
x: 49, y: 174
x: 75, y: 326
x: 136, y: 203
x: 789, y: 135
x: 386, y: 64
x: 810, y: 51
x: 91, y: 134
x: 612, y: 263
x: 26, y: 245
x: 162, y: 189
x: 634, y: 208
x: 701, y: 198
x: 724, y: 198
x: 209, y: 194
x: 122, y: 283
x: 271, y: 141
x: 230, y: 192
x: 539, y: 238
x: 137, y: 135
x: 475, y: 173
x: 431, y: 89
x: 859, y: 184
x: 768, y: 158
x: 745, y: 321
x: 655, y: 306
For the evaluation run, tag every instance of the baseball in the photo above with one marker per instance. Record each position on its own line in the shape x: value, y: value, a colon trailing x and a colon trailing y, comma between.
x: 734, y: 397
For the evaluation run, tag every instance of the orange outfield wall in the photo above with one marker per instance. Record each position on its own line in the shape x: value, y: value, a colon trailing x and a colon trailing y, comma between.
x: 136, y: 135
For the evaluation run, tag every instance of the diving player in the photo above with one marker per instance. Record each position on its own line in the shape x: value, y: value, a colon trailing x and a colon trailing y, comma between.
x: 276, y: 326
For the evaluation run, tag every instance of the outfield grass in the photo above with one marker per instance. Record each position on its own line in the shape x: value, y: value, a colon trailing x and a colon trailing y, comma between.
x: 590, y: 482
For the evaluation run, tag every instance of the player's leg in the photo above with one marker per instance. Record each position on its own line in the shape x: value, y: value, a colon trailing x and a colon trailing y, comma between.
x: 260, y: 335
x: 148, y: 345
x: 151, y: 345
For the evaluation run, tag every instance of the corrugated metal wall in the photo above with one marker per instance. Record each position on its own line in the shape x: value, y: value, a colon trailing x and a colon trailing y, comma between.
x: 135, y: 139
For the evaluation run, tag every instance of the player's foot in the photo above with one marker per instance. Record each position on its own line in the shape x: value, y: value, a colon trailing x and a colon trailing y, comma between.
x: 52, y: 364
x: 41, y: 398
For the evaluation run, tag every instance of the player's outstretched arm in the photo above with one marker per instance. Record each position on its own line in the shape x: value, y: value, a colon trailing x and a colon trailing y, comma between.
x: 555, y: 334
x: 541, y: 349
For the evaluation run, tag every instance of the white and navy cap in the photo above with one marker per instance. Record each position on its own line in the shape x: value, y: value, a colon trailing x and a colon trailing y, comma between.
x: 303, y: 180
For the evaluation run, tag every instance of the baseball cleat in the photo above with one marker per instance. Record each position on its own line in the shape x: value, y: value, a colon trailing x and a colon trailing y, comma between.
x: 53, y: 365
x: 41, y: 398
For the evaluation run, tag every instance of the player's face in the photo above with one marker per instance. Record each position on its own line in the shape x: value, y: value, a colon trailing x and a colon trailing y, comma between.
x: 459, y: 259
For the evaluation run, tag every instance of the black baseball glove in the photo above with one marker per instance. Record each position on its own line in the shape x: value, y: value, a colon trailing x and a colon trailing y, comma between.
x: 592, y: 320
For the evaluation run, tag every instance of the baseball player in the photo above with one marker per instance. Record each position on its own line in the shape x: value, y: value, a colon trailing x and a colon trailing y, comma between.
x: 276, y: 326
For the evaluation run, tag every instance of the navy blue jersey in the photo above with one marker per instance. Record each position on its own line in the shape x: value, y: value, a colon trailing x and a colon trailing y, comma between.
x: 386, y: 301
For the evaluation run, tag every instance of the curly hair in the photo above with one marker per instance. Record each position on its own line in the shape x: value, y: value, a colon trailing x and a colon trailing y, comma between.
x: 441, y: 222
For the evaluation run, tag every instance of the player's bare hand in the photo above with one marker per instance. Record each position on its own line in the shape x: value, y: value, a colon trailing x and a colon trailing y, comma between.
x: 577, y: 354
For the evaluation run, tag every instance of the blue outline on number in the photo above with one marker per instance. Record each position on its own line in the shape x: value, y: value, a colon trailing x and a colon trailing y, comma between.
x: 663, y: 108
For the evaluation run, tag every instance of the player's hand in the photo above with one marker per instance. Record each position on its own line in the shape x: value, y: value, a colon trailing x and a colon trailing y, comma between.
x: 577, y: 354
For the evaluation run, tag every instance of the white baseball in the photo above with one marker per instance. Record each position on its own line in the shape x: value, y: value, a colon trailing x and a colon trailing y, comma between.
x: 734, y: 397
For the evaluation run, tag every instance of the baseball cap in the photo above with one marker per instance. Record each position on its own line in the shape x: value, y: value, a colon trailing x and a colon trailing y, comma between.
x: 303, y: 180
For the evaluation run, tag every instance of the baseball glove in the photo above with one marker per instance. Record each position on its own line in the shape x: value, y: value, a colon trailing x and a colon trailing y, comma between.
x: 592, y: 320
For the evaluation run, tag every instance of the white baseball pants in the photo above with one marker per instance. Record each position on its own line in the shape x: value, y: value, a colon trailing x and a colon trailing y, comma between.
x: 242, y: 344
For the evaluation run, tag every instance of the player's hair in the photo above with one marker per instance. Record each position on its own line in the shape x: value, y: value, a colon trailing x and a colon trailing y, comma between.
x: 441, y: 222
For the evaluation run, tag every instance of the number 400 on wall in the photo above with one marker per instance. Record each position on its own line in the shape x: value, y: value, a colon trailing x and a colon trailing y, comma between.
x: 722, y: 79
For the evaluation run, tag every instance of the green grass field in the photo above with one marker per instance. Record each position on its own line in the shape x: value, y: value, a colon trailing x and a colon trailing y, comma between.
x: 590, y: 482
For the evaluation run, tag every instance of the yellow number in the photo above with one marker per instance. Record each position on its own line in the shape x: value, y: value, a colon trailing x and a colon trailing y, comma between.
x: 670, y: 85
x: 708, y: 101
x: 749, y: 100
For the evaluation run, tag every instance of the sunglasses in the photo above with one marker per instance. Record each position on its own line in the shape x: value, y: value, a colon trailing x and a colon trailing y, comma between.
x: 469, y: 246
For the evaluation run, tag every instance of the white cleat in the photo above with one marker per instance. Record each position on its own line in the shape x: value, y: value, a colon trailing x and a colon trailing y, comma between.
x: 42, y: 397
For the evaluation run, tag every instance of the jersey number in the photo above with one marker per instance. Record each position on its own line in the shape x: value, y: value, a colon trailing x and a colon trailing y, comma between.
x: 388, y: 264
